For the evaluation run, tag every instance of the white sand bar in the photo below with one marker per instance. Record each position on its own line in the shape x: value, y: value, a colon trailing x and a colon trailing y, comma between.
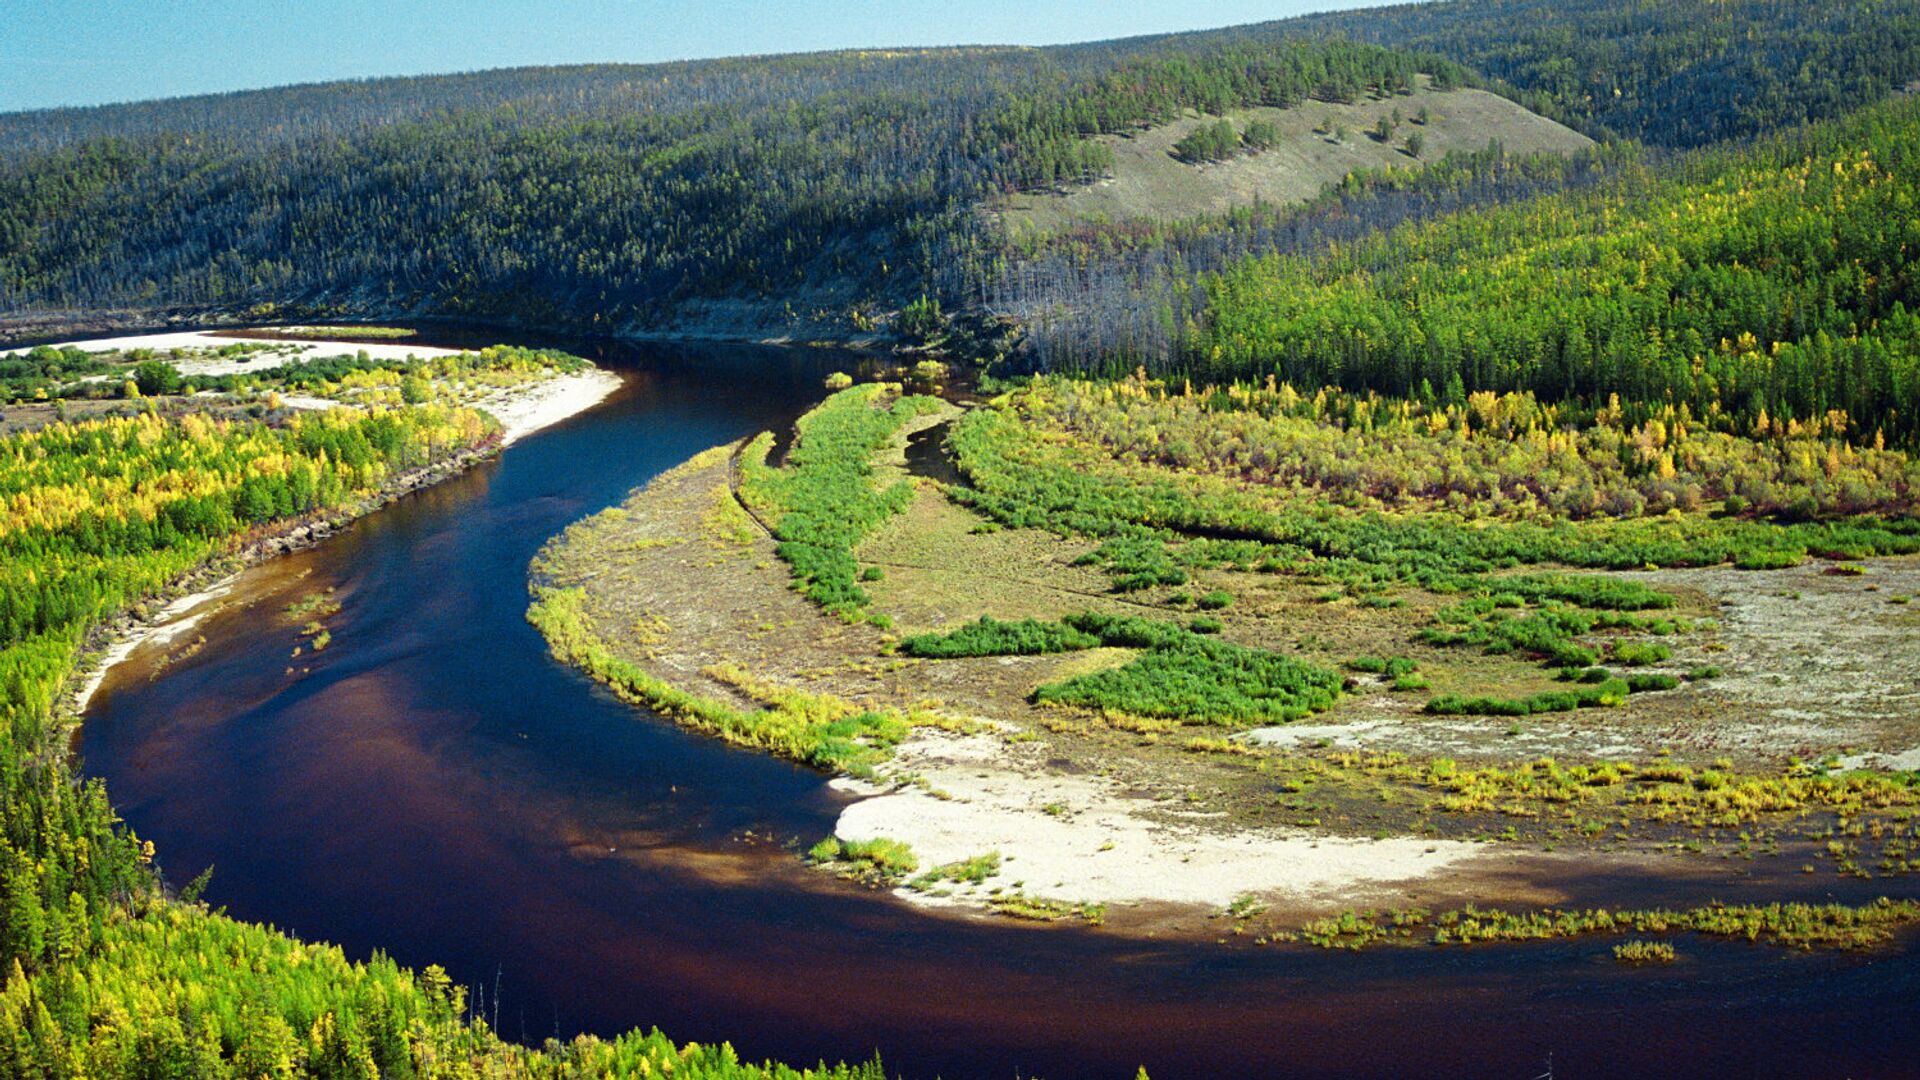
x: 194, y: 339
x: 1081, y: 839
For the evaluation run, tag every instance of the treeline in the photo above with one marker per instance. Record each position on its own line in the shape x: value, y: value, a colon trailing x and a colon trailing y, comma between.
x: 1765, y: 284
x: 1482, y: 454
x: 1675, y: 73
x: 824, y: 189
x: 1044, y: 135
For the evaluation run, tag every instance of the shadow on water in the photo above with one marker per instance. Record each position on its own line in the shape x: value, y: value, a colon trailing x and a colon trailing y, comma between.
x: 433, y: 785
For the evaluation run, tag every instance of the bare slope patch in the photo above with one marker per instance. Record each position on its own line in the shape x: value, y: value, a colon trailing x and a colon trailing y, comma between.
x: 1318, y: 143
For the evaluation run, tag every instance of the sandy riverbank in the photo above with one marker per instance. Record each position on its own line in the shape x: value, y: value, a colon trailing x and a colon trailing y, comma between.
x: 526, y: 409
x: 1081, y: 838
x: 213, y: 365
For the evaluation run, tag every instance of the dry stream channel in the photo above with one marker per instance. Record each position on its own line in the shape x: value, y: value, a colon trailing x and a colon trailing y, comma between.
x: 434, y: 785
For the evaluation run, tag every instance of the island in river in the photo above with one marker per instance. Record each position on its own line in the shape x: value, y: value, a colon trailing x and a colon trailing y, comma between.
x: 1047, y: 726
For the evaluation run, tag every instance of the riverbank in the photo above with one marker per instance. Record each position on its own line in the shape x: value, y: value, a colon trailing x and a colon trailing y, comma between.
x: 148, y: 635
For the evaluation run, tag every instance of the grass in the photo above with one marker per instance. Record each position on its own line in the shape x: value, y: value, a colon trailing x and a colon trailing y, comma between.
x: 1148, y: 182
x: 1182, y: 674
x: 992, y: 637
x: 1795, y: 925
x: 1660, y: 791
x: 1037, y: 909
x: 388, y: 333
x: 879, y: 860
x: 971, y: 871
x: 1612, y: 692
x: 316, y: 604
x: 1643, y: 952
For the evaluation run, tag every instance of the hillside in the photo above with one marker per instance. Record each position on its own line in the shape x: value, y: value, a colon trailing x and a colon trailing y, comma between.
x: 1147, y: 181
x: 804, y: 196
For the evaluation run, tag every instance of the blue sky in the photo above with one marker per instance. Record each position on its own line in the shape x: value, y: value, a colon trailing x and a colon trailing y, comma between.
x: 87, y: 52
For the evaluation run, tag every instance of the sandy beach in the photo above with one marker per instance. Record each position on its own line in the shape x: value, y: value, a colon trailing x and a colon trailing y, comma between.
x: 299, y: 350
x: 1082, y: 839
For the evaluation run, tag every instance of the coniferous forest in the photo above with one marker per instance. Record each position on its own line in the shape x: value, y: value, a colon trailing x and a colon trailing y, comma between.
x: 1737, y: 251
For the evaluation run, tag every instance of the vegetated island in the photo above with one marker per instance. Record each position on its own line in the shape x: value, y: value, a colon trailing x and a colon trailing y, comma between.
x: 1071, y: 683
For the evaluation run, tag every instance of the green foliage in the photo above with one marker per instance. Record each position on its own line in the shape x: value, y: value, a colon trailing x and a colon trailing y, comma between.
x: 971, y: 871
x: 879, y: 859
x: 921, y: 320
x: 823, y: 500
x: 1644, y: 952
x: 1636, y: 653
x: 611, y: 195
x: 992, y: 637
x: 1041, y: 459
x: 157, y: 377
x: 1261, y: 135
x: 1795, y: 925
x: 1192, y: 678
x: 106, y: 977
x: 1668, y: 72
x: 1184, y: 675
x: 1608, y: 693
x: 1214, y: 600
x: 1216, y: 141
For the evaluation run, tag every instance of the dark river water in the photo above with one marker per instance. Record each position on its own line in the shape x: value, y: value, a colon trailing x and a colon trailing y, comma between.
x: 434, y: 786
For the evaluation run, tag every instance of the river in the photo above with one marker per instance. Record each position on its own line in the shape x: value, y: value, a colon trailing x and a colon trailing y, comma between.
x: 433, y: 785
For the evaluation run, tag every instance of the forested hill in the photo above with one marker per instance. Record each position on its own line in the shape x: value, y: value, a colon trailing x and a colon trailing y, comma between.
x: 807, y: 194
x: 827, y: 186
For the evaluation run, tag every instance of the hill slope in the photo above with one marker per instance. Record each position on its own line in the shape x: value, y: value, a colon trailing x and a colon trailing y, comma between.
x: 1149, y: 182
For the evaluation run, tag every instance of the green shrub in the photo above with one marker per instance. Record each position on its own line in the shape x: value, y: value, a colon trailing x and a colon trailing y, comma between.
x: 823, y: 500
x: 991, y: 637
x: 1636, y: 653
x: 1609, y: 693
x: 1770, y: 559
